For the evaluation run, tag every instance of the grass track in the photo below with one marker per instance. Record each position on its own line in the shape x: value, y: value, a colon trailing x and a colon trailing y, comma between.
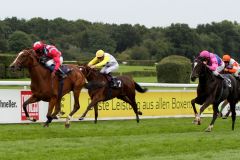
x: 121, y: 140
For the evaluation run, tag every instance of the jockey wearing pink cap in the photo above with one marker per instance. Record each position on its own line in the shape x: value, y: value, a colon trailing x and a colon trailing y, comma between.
x: 213, y: 62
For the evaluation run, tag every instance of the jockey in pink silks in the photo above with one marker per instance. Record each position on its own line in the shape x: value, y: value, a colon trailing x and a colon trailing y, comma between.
x: 213, y: 62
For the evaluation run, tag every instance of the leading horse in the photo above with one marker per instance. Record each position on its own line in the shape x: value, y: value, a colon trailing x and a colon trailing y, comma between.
x: 45, y: 88
x: 99, y: 90
x: 213, y: 90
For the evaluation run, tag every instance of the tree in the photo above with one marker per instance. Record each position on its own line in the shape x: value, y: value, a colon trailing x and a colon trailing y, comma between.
x: 125, y: 36
x: 184, y: 40
x: 139, y: 53
x: 92, y: 40
x: 19, y: 41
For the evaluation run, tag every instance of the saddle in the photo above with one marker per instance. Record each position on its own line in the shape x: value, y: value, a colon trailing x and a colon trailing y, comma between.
x: 113, y: 81
x: 63, y: 69
x: 227, y: 82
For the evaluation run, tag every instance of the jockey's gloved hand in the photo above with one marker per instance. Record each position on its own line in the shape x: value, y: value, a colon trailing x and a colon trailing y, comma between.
x: 93, y: 66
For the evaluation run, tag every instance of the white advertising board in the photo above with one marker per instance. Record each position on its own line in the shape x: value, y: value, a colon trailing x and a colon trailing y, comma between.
x: 11, y: 107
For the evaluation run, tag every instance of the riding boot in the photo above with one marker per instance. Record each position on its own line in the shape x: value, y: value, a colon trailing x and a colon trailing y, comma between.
x: 114, y: 83
x: 111, y: 80
x: 62, y: 74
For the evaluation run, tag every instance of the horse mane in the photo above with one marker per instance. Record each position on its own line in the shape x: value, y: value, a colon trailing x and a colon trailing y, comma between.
x: 95, y: 78
x: 207, y: 75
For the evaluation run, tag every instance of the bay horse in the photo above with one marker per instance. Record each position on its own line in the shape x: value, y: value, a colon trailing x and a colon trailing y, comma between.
x: 45, y: 88
x: 213, y: 90
x: 99, y: 90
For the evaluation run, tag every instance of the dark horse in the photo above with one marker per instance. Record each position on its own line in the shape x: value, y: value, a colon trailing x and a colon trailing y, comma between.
x: 100, y: 90
x: 213, y: 90
x: 45, y: 88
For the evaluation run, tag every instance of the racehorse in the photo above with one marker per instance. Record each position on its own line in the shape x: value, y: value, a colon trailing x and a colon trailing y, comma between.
x: 213, y: 90
x: 45, y: 88
x: 99, y: 90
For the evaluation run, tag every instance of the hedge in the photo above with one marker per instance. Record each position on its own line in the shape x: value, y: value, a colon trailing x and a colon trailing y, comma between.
x: 174, y: 69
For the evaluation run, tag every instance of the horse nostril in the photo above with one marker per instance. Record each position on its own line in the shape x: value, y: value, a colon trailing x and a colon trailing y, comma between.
x: 193, y: 79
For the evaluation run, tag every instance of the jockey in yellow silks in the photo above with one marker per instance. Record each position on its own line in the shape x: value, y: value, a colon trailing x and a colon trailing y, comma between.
x: 107, y: 63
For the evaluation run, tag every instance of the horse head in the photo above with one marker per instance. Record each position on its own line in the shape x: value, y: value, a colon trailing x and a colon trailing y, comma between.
x: 25, y: 58
x: 199, y: 68
x: 89, y: 73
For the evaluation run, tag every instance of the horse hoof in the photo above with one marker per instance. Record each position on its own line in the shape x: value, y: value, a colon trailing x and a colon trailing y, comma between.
x: 54, y: 117
x: 81, y: 118
x: 194, y: 121
x: 139, y: 113
x: 34, y: 120
x: 208, y: 130
x: 46, y: 125
x: 67, y: 125
x: 198, y: 122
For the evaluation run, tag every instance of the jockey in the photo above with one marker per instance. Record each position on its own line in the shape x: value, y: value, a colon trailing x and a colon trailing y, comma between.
x: 213, y: 62
x: 231, y: 66
x: 51, y: 52
x: 108, y: 64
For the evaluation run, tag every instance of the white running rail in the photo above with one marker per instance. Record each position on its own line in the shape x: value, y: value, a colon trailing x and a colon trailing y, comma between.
x: 180, y: 85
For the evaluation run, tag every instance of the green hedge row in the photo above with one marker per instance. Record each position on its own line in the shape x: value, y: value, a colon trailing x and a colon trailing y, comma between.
x: 137, y: 73
x: 5, y: 72
x: 174, y: 69
x: 127, y: 62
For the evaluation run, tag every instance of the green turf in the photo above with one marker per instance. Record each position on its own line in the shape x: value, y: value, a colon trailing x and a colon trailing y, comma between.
x: 155, y: 139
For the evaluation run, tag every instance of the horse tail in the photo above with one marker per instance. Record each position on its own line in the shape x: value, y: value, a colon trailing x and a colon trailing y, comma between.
x: 139, y: 88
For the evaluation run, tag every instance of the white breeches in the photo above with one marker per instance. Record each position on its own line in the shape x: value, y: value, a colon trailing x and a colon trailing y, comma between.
x: 219, y: 69
x: 111, y: 67
x: 51, y: 62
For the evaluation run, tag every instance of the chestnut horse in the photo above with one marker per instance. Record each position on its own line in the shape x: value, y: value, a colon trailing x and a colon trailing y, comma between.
x: 99, y: 90
x: 45, y: 88
x: 213, y: 90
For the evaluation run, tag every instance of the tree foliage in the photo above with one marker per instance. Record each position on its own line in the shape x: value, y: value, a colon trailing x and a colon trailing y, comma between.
x: 81, y: 38
x: 19, y: 40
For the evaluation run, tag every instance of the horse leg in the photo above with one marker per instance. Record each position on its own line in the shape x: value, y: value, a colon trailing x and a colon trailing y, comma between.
x: 95, y: 113
x: 204, y: 106
x: 57, y: 109
x: 76, y: 107
x: 93, y: 103
x: 233, y: 110
x: 222, y: 107
x: 133, y: 104
x: 193, y: 101
x: 30, y: 100
x: 215, y: 115
x: 51, y: 105
x: 226, y: 115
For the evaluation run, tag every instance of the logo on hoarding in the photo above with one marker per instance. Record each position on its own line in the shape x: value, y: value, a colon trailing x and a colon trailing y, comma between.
x: 33, y: 108
x: 8, y: 104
